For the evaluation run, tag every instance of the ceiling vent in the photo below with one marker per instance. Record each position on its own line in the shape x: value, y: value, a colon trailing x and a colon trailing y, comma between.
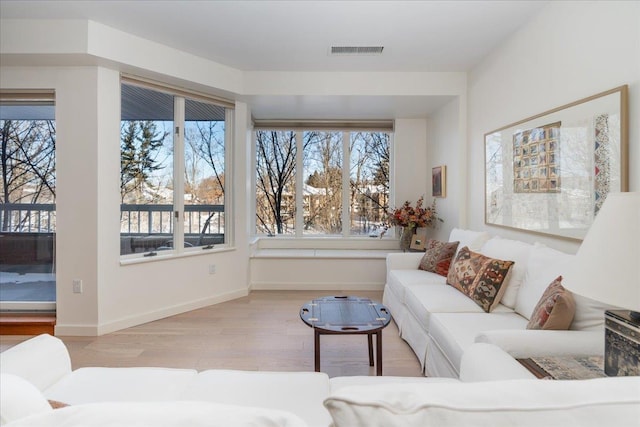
x: 356, y: 50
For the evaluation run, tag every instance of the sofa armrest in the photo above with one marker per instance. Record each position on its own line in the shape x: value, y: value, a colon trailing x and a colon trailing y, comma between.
x: 42, y: 360
x: 404, y: 261
x: 535, y: 343
x: 488, y: 362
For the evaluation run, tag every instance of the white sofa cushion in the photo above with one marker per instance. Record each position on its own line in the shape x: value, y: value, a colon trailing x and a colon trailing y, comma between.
x: 544, y: 266
x: 19, y: 398
x: 589, y: 314
x: 88, y: 385
x: 453, y: 333
x: 421, y: 301
x: 529, y: 402
x: 162, y: 414
x: 41, y: 360
x: 298, y: 392
x: 398, y: 280
x: 488, y: 362
x: 403, y: 260
x: 512, y: 250
x: 472, y: 239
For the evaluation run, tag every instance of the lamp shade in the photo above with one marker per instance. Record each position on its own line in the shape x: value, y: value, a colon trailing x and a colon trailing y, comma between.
x: 607, y: 265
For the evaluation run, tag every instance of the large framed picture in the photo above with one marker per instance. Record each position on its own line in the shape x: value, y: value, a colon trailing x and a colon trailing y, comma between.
x: 550, y: 173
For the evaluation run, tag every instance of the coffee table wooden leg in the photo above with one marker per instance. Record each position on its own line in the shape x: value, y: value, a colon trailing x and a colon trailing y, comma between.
x: 370, y: 339
x: 316, y: 347
x: 378, y: 353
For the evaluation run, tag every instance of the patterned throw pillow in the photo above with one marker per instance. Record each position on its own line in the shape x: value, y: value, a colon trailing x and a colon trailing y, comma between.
x: 438, y: 256
x: 555, y: 310
x: 479, y: 277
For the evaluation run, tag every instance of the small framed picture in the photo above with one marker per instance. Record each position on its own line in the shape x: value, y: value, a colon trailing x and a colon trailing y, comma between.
x: 439, y: 181
x: 418, y: 242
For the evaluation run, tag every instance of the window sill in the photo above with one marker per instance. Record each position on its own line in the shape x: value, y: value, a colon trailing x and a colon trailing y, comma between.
x: 329, y: 242
x: 169, y: 256
x: 322, y: 253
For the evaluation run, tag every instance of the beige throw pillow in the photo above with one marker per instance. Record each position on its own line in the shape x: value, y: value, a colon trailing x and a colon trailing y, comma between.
x: 438, y: 256
x: 555, y: 310
x: 479, y: 277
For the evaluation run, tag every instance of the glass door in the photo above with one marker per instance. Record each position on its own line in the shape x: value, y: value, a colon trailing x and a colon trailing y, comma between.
x: 27, y: 201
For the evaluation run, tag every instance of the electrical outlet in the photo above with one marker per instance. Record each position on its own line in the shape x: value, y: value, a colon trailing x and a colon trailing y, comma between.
x: 212, y: 269
x: 77, y: 286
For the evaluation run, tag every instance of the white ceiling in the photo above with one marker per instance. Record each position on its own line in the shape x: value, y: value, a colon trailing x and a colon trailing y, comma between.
x: 264, y: 35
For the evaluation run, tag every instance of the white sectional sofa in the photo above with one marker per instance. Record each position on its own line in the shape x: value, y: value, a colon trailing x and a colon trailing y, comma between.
x: 296, y: 397
x: 440, y: 323
x: 39, y: 369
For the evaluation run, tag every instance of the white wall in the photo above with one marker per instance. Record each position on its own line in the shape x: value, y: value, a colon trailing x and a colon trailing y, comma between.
x: 136, y: 293
x: 87, y: 239
x: 410, y: 162
x: 76, y: 217
x: 570, y: 51
x: 447, y: 146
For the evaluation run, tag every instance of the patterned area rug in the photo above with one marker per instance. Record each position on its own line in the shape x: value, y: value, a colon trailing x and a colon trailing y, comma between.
x: 572, y: 367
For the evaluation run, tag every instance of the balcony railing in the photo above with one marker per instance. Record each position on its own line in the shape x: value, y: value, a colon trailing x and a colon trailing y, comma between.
x: 142, y: 227
x: 28, y: 217
x: 152, y: 219
x: 145, y: 228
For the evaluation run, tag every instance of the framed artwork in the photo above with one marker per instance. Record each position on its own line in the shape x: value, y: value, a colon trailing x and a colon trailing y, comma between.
x: 550, y: 173
x: 419, y: 239
x: 418, y: 242
x: 439, y: 181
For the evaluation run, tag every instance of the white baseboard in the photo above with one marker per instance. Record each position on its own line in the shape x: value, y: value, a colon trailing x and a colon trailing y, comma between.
x: 138, y: 319
x: 348, y: 286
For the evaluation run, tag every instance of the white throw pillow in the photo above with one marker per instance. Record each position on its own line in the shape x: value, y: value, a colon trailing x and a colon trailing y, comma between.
x: 589, y: 314
x: 19, y: 398
x: 543, y: 267
x: 525, y: 403
x: 511, y: 250
x: 472, y: 239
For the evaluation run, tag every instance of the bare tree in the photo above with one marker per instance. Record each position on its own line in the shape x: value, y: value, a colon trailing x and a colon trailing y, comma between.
x: 206, y: 141
x: 27, y: 162
x: 369, y: 178
x: 323, y: 168
x: 323, y: 155
x: 275, y: 179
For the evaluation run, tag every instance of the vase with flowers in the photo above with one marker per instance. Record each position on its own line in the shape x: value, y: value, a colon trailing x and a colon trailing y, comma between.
x: 411, y: 217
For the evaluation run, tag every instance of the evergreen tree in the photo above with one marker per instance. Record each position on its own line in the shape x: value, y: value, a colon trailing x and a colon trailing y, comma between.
x: 140, y: 142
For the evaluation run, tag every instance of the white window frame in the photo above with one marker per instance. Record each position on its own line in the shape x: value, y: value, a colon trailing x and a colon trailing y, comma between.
x: 346, y: 169
x: 178, y: 217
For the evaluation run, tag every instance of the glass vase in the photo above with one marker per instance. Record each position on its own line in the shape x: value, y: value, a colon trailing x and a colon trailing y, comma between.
x: 405, y: 238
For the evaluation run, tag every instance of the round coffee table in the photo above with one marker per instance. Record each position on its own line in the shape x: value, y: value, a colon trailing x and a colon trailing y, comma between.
x: 347, y: 315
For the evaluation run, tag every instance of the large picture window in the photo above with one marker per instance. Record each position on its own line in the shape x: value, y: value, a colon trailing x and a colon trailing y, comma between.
x: 321, y: 182
x: 172, y: 171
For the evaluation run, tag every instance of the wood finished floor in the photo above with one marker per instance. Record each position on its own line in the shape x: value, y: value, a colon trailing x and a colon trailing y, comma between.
x: 260, y: 332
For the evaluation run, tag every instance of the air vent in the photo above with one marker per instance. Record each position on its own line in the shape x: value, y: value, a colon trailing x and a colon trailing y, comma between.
x: 356, y: 50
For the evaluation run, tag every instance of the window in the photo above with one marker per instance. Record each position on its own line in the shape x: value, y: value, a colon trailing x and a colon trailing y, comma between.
x: 323, y: 160
x: 27, y: 200
x: 331, y: 183
x: 368, y: 181
x: 172, y: 170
